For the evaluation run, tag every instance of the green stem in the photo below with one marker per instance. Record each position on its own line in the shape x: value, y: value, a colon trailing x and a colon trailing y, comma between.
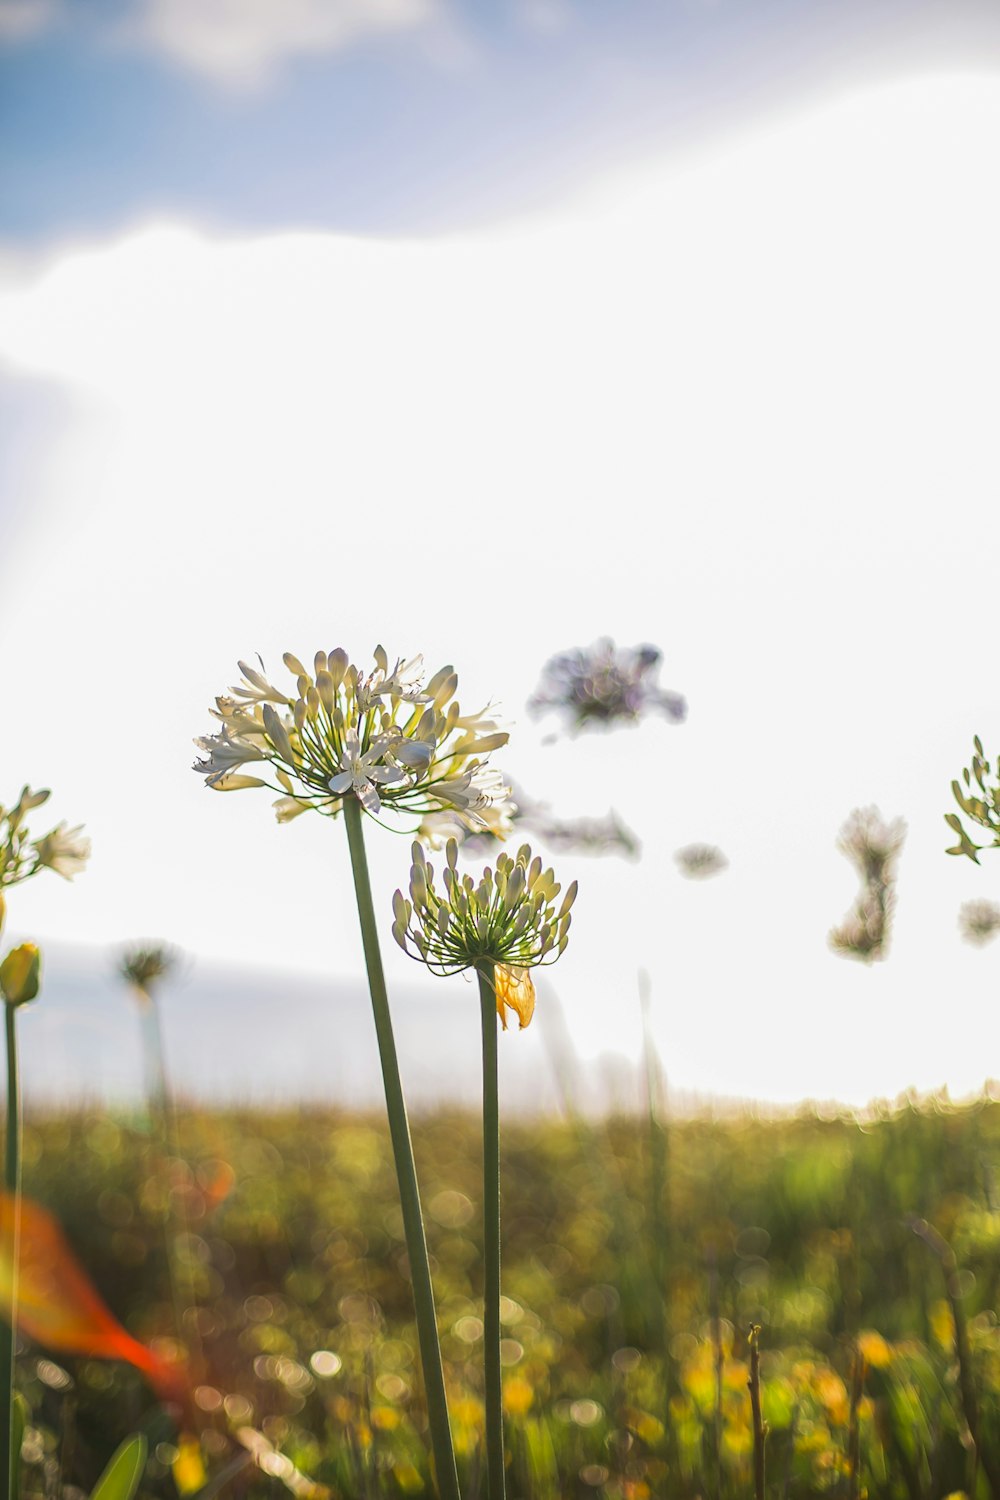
x: 163, y: 1122
x: 759, y: 1426
x: 496, y: 1481
x: 12, y: 1186
x: 406, y: 1173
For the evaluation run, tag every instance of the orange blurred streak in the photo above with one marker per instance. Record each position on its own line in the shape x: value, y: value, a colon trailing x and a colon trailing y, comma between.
x: 59, y: 1307
x: 219, y: 1183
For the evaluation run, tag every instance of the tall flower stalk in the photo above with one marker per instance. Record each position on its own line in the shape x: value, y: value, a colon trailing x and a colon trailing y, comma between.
x: 143, y: 968
x: 64, y: 850
x: 406, y: 1172
x: 382, y: 744
x: 18, y: 984
x: 502, y: 927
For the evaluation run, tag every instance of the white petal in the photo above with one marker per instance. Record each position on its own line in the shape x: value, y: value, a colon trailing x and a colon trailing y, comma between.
x: 368, y: 797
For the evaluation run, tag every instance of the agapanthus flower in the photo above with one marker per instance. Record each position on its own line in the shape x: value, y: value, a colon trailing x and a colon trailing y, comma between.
x: 62, y: 849
x: 604, y: 685
x: 382, y: 737
x: 508, y: 919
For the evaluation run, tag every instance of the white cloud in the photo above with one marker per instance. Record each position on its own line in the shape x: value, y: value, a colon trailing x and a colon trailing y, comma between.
x: 744, y: 409
x: 22, y: 19
x: 246, y: 43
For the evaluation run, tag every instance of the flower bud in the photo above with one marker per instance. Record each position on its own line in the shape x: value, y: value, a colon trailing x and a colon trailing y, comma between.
x: 19, y: 974
x: 336, y: 665
x: 568, y: 899
x: 277, y: 733
x: 326, y: 689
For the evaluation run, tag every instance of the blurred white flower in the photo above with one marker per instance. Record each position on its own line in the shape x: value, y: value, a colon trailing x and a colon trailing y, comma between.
x: 64, y: 850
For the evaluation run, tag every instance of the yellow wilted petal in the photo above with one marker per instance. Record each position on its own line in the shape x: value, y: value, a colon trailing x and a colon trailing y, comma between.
x: 516, y: 988
x: 189, y: 1467
x: 234, y: 782
x: 3, y: 910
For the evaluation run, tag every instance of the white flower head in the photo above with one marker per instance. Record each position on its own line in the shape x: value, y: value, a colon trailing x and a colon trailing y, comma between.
x: 62, y: 849
x: 382, y: 736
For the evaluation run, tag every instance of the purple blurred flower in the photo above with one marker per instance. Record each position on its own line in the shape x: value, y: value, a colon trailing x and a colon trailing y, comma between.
x: 605, y: 686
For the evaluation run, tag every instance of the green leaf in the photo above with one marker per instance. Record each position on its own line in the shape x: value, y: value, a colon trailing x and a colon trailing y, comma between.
x: 974, y: 806
x: 965, y: 844
x: 120, y: 1479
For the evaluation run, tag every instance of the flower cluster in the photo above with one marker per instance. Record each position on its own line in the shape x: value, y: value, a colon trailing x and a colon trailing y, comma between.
x: 381, y: 737
x: 605, y: 686
x: 62, y: 849
x: 509, y: 918
x: 983, y: 809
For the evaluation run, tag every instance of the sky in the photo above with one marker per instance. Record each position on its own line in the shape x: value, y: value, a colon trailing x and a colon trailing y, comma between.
x: 484, y: 333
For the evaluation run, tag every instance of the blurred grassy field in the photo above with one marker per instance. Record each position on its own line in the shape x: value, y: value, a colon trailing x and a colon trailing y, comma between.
x: 636, y: 1258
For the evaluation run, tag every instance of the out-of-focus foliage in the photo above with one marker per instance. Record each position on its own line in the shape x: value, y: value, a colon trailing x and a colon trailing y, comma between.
x: 624, y: 1377
x: 873, y: 846
x: 980, y: 802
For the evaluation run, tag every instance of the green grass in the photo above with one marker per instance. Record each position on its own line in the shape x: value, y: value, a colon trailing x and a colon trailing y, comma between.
x: 806, y: 1221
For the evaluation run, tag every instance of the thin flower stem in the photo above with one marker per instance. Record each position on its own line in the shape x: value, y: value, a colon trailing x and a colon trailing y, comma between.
x: 12, y: 1226
x: 496, y: 1481
x: 966, y: 1385
x: 163, y: 1121
x: 446, y: 1473
x: 759, y: 1426
x: 854, y: 1426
